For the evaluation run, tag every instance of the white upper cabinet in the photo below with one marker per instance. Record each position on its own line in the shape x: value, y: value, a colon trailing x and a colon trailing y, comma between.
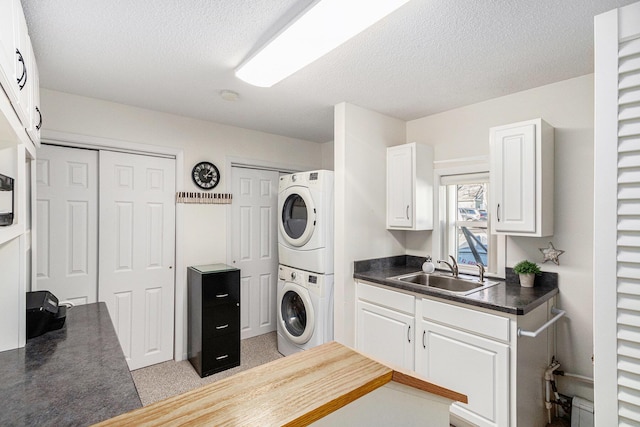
x: 7, y: 43
x: 35, y: 115
x: 410, y: 187
x: 522, y: 158
x: 18, y: 71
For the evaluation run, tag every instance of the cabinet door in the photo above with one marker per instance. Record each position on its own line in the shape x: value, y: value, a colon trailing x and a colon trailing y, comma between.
x: 400, y: 186
x: 513, y: 174
x: 21, y: 65
x: 7, y: 45
x: 35, y: 115
x: 468, y: 364
x: 385, y: 334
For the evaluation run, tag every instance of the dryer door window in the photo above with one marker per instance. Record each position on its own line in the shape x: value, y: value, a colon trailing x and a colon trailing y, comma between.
x: 297, y: 216
x: 296, y: 313
x: 294, y: 216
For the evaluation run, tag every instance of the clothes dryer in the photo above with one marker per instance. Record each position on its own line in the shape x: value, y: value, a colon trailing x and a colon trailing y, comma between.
x: 305, y: 309
x: 305, y: 225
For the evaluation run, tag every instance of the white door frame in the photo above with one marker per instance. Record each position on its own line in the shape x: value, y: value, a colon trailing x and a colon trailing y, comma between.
x: 83, y: 141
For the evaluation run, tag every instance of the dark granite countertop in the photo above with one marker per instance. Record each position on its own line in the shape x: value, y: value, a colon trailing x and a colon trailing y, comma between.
x: 507, y: 297
x: 74, y: 376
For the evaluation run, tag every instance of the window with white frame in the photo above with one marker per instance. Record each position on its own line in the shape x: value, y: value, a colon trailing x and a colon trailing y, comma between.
x: 465, y: 223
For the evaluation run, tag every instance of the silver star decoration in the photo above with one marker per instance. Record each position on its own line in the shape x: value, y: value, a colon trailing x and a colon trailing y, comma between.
x: 551, y: 254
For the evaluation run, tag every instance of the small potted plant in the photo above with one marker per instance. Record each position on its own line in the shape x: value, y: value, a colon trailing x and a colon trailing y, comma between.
x: 527, y: 271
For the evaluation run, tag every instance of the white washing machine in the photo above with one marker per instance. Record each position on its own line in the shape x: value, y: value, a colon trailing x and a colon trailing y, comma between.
x: 305, y: 309
x: 305, y: 226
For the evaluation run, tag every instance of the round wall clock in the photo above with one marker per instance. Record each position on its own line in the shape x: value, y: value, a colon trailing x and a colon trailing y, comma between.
x: 205, y: 175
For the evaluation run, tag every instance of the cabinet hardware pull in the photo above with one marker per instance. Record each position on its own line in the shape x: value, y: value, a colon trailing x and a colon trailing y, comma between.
x: 39, y: 125
x: 498, y: 212
x: 222, y: 357
x: 424, y: 333
x: 409, y: 334
x: 558, y: 314
x: 24, y: 71
x: 407, y: 211
x: 222, y: 296
x: 222, y: 326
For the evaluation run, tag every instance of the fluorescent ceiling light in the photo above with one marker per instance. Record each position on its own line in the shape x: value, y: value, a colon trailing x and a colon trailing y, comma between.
x: 323, y: 27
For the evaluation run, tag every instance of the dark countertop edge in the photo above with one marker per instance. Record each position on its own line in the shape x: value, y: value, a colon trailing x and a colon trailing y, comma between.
x: 84, y: 361
x: 383, y: 268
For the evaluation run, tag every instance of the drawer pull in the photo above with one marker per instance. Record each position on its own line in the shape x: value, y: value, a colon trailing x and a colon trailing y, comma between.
x: 222, y: 357
x: 222, y: 295
x: 222, y: 326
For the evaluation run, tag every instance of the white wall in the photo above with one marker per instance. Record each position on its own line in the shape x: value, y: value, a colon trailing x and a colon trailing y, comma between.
x: 327, y: 155
x: 200, y: 140
x: 361, y: 140
x: 568, y: 107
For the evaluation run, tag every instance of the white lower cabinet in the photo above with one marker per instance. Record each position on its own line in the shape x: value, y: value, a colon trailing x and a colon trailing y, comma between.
x: 386, y: 325
x: 476, y: 352
x: 468, y: 363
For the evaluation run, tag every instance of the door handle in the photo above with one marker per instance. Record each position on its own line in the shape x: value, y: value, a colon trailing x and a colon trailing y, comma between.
x: 424, y: 333
x: 409, y: 334
x: 222, y: 326
x: 498, y: 212
x: 222, y: 295
x: 407, y: 211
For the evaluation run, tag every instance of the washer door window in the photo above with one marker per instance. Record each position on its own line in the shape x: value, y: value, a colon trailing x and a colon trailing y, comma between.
x: 296, y: 313
x: 298, y: 216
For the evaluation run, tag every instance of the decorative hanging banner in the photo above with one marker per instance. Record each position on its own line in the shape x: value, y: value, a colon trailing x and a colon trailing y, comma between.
x: 203, y: 198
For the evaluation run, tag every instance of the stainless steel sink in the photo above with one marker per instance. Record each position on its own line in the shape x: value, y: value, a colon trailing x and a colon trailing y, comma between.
x: 459, y: 286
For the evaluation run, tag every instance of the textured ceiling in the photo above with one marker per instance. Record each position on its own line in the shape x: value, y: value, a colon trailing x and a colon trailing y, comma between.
x: 429, y: 56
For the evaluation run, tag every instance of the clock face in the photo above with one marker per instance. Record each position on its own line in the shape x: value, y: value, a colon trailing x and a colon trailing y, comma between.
x: 205, y: 175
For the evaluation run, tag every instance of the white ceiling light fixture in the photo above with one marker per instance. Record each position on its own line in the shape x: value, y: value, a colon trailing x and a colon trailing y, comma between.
x: 229, y: 95
x: 325, y: 25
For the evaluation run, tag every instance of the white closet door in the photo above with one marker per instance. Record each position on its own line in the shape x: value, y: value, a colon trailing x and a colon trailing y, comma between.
x: 617, y: 218
x: 254, y: 247
x: 137, y: 234
x: 67, y: 223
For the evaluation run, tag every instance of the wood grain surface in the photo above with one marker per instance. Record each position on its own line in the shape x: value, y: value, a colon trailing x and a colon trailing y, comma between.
x: 292, y: 391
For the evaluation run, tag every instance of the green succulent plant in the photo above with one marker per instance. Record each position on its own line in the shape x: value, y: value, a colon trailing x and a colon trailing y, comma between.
x: 526, y: 267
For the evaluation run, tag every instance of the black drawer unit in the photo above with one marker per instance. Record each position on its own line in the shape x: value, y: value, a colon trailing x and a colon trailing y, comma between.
x: 214, y: 318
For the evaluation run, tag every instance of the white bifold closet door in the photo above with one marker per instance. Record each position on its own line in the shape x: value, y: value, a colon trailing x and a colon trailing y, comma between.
x: 67, y: 223
x: 617, y: 218
x: 137, y: 235
x: 106, y: 232
x: 254, y: 247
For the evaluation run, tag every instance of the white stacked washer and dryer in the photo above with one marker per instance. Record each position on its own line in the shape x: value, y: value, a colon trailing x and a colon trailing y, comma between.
x: 305, y: 249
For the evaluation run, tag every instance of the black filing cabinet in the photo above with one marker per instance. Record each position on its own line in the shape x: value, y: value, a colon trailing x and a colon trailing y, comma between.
x: 214, y: 318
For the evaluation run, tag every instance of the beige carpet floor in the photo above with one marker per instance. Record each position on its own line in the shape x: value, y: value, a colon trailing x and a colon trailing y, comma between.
x: 158, y: 382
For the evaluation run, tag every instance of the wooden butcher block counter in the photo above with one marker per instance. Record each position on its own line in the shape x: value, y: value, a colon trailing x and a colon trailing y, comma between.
x: 293, y: 391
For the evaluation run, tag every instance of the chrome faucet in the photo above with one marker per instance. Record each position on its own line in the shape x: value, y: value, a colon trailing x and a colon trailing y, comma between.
x: 453, y: 266
x: 481, y: 268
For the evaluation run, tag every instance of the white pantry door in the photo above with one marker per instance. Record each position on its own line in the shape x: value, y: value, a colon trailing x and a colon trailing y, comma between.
x: 137, y: 235
x: 67, y: 223
x: 254, y: 247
